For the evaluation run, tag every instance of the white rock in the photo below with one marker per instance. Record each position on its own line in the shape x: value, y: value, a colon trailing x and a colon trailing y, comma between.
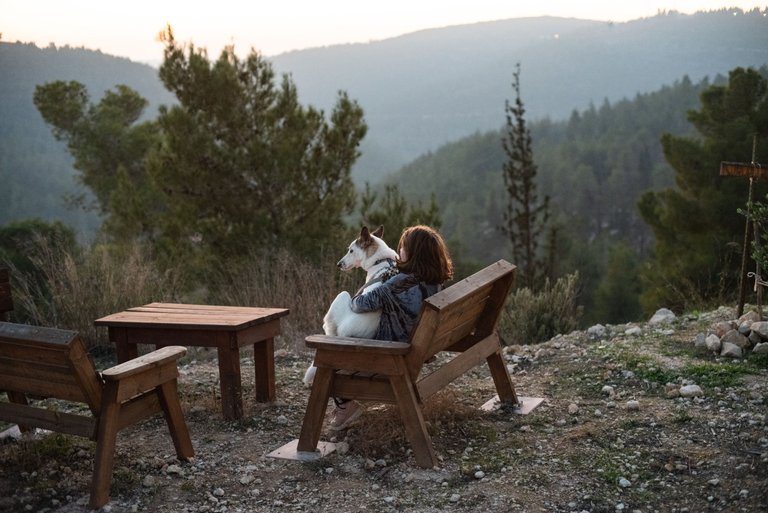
x: 148, y: 481
x: 691, y: 391
x: 731, y: 351
x: 734, y: 337
x: 479, y: 474
x: 624, y: 482
x: 573, y: 408
x: 713, y: 343
x: 634, y: 331
x: 761, y: 348
x: 455, y: 497
x: 608, y: 390
x: 662, y: 316
x: 761, y: 328
x: 596, y: 331
x: 633, y: 405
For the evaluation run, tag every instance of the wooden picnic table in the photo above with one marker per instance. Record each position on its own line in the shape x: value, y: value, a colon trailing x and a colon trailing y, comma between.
x: 226, y: 328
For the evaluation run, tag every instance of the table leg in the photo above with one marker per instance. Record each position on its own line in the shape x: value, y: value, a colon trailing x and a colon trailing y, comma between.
x: 229, y: 375
x: 264, y: 368
x: 124, y: 350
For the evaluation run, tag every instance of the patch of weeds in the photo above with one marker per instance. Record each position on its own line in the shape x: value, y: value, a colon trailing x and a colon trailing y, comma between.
x: 485, y: 460
x: 188, y: 486
x: 34, y: 453
x: 682, y: 417
x: 717, y: 374
x: 124, y: 480
x: 599, y: 464
x: 645, y: 367
x: 671, y: 347
x: 630, y: 424
x: 758, y: 361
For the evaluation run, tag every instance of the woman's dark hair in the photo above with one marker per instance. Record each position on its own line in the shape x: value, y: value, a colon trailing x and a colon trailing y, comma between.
x: 427, y: 255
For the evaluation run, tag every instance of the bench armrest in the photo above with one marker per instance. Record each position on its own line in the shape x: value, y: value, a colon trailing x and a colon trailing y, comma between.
x: 357, y: 344
x: 149, y: 361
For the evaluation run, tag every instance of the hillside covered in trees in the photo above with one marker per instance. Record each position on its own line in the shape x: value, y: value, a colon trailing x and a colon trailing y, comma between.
x: 595, y: 167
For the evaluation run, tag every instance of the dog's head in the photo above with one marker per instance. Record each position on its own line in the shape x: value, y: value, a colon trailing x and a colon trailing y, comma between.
x: 362, y: 250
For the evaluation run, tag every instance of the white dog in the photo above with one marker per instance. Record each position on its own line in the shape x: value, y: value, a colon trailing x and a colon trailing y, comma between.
x: 370, y: 253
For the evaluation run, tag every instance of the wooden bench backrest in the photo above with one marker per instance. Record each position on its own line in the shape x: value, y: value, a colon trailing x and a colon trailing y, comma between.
x: 467, y: 310
x: 48, y: 362
x: 6, y: 300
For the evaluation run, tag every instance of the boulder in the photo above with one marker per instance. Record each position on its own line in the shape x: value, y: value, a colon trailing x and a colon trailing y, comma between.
x: 662, y: 316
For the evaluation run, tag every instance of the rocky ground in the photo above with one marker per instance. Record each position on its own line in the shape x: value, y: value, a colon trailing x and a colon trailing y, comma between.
x: 635, y: 418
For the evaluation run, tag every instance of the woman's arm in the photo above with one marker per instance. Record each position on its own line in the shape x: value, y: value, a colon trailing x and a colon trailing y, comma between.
x: 371, y: 301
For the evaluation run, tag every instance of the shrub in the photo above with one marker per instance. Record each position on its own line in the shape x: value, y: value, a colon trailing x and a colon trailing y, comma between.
x: 532, y: 317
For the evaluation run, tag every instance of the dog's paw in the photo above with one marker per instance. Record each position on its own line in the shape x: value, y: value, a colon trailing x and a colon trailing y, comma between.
x: 309, y: 376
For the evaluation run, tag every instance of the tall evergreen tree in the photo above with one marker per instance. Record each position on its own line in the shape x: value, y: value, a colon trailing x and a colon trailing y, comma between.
x: 525, y: 218
x: 699, y: 232
x: 243, y: 164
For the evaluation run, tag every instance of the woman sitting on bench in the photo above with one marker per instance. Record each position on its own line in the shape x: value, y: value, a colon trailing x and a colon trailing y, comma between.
x: 424, y: 264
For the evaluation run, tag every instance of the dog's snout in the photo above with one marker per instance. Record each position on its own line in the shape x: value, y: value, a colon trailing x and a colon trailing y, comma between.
x: 340, y: 264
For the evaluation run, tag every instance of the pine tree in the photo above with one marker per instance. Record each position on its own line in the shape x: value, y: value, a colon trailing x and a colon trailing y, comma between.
x: 699, y: 232
x: 525, y: 218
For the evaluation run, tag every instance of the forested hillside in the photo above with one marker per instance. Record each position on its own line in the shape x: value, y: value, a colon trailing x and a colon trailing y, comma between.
x: 36, y: 169
x: 594, y: 166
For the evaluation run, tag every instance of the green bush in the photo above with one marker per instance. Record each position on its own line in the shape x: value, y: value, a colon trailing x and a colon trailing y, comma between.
x: 532, y: 317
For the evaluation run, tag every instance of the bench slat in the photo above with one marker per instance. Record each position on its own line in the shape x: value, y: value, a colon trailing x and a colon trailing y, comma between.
x: 58, y: 421
x: 36, y: 387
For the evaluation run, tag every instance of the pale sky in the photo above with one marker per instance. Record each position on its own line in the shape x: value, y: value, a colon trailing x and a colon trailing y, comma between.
x: 129, y: 29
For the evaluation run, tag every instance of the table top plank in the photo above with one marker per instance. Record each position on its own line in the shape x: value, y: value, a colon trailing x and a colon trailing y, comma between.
x: 183, y: 316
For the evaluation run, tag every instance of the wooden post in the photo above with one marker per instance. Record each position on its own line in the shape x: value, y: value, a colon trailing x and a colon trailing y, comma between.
x: 753, y: 171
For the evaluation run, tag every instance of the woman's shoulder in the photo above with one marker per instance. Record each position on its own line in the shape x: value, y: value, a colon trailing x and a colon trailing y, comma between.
x: 401, y: 277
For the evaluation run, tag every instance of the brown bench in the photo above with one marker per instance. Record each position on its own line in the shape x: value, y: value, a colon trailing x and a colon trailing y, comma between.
x: 40, y: 362
x: 6, y: 300
x: 460, y: 319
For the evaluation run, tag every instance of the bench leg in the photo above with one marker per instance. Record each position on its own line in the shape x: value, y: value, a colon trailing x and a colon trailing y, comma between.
x: 501, y: 379
x: 264, y: 369
x: 19, y: 398
x: 105, y: 446
x: 413, y: 420
x: 229, y: 377
x: 313, y: 418
x: 169, y: 400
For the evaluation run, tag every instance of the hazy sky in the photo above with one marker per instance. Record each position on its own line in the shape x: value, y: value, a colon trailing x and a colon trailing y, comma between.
x: 129, y: 29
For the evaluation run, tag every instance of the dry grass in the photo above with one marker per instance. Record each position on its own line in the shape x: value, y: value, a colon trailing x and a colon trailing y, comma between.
x: 284, y: 280
x: 77, y: 289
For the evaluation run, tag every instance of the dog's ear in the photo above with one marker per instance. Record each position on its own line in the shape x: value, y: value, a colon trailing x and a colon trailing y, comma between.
x: 379, y: 231
x: 365, y: 237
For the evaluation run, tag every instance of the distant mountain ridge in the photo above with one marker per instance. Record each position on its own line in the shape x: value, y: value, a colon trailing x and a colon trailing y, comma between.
x: 419, y: 91
x: 427, y: 88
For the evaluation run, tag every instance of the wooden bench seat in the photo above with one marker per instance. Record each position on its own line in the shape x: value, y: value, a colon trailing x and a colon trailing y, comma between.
x: 461, y: 319
x: 38, y: 362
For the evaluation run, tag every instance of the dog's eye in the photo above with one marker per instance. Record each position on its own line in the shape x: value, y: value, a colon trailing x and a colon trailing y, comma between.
x: 350, y: 251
